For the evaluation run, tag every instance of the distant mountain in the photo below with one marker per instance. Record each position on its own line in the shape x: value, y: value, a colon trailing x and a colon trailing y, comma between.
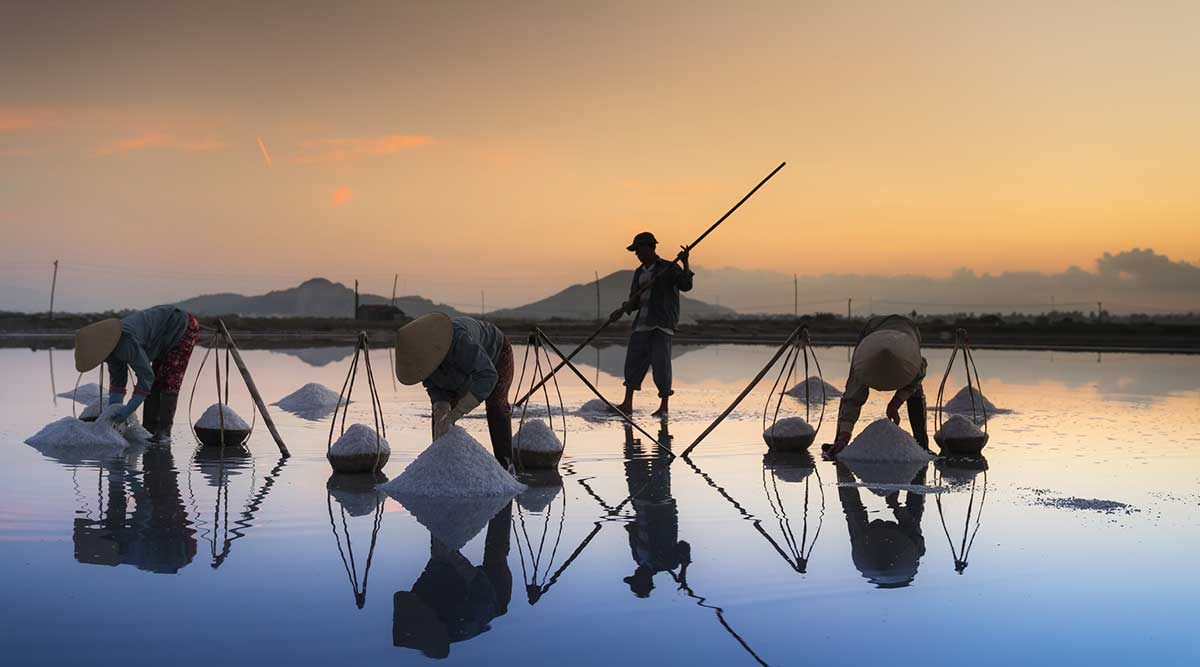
x: 578, y: 302
x: 317, y: 297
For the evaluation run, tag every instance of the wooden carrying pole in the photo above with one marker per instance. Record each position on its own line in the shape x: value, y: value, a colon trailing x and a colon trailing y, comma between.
x: 645, y: 288
x: 258, y: 401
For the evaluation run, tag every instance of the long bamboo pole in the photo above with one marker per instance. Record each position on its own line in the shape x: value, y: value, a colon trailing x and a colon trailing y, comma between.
x: 258, y: 401
x: 646, y: 287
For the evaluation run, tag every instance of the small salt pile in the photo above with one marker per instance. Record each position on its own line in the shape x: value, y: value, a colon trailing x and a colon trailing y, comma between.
x: 594, y: 407
x: 454, y: 466
x: 312, y: 401
x: 884, y: 442
x: 789, y: 427
x: 85, y: 393
x: 815, y: 387
x: 961, y: 403
x: 537, y: 436
x: 71, y: 433
x: 357, y: 440
x: 958, y: 427
x: 212, y: 419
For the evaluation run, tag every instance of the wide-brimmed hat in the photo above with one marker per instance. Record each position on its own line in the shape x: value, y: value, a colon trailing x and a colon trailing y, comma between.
x: 643, y: 238
x: 887, y: 360
x: 421, y: 345
x: 95, y: 342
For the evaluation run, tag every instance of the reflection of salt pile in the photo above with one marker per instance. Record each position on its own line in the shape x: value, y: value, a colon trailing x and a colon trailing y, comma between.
x: 537, y: 436
x: 813, y: 387
x: 213, y: 416
x: 884, y: 455
x: 961, y: 403
x: 789, y: 466
x: 312, y: 401
x: 454, y: 487
x: 357, y: 494
x: 790, y: 427
x: 359, y: 439
x: 100, y: 437
x: 537, y: 498
x: 85, y: 393
x: 958, y: 427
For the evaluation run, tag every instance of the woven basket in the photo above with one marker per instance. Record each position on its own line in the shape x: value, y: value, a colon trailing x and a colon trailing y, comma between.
x: 970, y: 446
x: 788, y: 443
x: 211, y: 437
x: 358, y: 463
x: 537, y: 460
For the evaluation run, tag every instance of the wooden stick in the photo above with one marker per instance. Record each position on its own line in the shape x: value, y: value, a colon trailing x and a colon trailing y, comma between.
x: 646, y: 287
x: 745, y: 392
x: 258, y: 401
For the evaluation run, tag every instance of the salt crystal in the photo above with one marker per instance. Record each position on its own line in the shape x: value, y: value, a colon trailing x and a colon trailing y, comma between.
x: 359, y: 439
x: 312, y: 401
x: 211, y: 419
x: 961, y: 403
x: 789, y: 427
x: 815, y: 387
x: 883, y: 441
x: 454, y: 466
x: 536, y: 436
x: 958, y: 427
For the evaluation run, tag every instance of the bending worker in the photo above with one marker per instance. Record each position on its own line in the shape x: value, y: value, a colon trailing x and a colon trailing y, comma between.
x: 157, y: 344
x: 886, y: 358
x: 656, y: 320
x: 462, y: 362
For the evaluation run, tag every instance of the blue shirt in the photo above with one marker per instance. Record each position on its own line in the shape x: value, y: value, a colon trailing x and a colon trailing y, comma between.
x: 146, y: 337
x: 470, y: 365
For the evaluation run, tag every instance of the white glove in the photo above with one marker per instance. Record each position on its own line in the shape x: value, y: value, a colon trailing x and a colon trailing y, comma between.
x: 465, y: 404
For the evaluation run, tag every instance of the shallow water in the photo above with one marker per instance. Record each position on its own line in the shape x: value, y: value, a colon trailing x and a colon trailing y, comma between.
x: 177, y: 555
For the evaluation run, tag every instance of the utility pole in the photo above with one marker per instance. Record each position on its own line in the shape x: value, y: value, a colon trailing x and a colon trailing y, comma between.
x: 597, y: 295
x: 395, y: 279
x: 795, y: 296
x: 356, y: 299
x: 482, y: 305
x: 1099, y: 311
x: 849, y: 308
x: 53, y: 285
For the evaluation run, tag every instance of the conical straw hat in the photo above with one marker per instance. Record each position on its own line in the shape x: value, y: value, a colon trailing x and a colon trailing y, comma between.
x: 887, y: 360
x: 421, y: 345
x: 95, y: 342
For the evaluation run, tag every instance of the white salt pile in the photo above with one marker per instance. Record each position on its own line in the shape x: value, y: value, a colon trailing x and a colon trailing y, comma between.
x: 454, y: 466
x: 212, y: 417
x: 312, y: 397
x: 958, y: 427
x: 100, y: 436
x: 814, y: 386
x: 537, y: 436
x: 884, y: 442
x: 359, y: 439
x: 961, y: 403
x: 594, y: 407
x: 92, y: 411
x: 790, y: 427
x: 85, y: 393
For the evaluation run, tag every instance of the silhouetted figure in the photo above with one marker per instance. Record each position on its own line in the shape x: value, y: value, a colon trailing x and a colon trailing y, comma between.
x: 157, y: 536
x: 453, y: 600
x: 887, y: 553
x: 654, y: 534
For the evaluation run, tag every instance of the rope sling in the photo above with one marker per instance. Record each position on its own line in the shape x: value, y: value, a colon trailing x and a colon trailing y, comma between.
x: 801, y: 347
x: 215, y: 343
x: 358, y: 463
x: 538, y: 375
x: 975, y: 392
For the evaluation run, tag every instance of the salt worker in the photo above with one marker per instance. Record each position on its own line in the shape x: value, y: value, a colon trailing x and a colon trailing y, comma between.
x: 157, y: 344
x: 656, y: 320
x: 461, y: 362
x: 886, y: 358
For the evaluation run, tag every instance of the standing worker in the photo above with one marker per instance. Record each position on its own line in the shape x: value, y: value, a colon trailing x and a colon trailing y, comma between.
x: 157, y: 344
x: 886, y: 358
x: 656, y: 320
x: 462, y: 362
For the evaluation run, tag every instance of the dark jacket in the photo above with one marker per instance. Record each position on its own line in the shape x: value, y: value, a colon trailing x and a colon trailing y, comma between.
x: 470, y: 365
x: 661, y: 303
x: 146, y: 337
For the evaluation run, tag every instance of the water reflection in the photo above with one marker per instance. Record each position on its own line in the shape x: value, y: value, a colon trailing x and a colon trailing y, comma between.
x: 793, y: 468
x: 454, y: 600
x: 156, y: 535
x: 356, y: 496
x: 219, y: 466
x: 318, y: 356
x: 887, y: 553
x: 654, y: 533
x: 970, y: 472
x: 538, y: 552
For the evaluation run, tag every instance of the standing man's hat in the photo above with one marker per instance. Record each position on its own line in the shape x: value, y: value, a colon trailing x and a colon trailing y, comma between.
x: 887, y: 360
x: 95, y: 342
x: 644, y: 238
x: 421, y: 345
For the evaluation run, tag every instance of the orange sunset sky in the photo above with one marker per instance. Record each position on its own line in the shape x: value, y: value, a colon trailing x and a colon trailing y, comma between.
x: 162, y: 150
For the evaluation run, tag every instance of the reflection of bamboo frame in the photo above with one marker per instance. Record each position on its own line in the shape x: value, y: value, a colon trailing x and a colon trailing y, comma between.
x: 960, y: 554
x: 250, y: 507
x: 534, y: 588
x: 799, y: 557
x: 360, y: 592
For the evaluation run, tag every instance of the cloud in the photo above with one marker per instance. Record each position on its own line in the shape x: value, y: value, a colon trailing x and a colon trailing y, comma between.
x: 263, y: 148
x: 352, y: 148
x: 342, y: 195
x: 156, y: 140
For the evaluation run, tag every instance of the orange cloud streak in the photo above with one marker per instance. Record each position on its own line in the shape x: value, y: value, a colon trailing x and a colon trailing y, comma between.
x: 263, y: 148
x: 342, y: 195
x: 156, y: 140
x: 351, y: 148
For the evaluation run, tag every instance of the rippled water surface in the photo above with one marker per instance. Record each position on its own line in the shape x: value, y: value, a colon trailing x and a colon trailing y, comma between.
x: 181, y: 555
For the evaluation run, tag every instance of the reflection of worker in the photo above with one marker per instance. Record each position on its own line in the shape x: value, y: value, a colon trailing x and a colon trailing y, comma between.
x: 453, y: 601
x: 654, y: 533
x: 886, y: 358
x: 156, y: 536
x: 462, y: 362
x: 887, y: 553
x: 656, y: 320
x: 157, y: 344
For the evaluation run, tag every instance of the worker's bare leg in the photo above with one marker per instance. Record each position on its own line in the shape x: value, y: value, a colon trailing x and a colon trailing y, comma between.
x: 662, y: 408
x: 626, y: 406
